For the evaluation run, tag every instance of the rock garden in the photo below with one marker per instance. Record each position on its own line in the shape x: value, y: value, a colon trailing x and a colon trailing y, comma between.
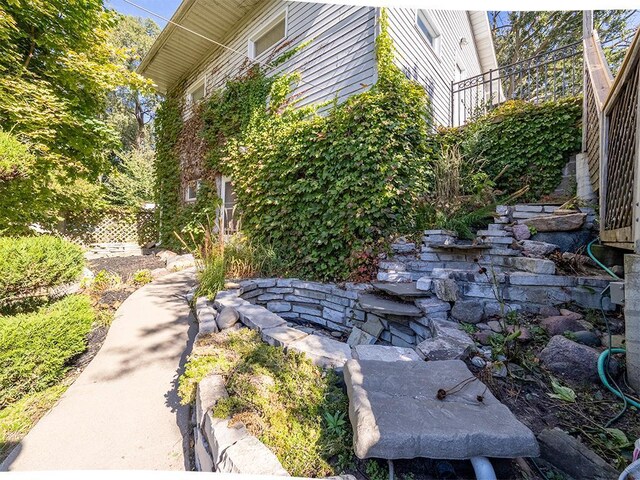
x: 460, y: 351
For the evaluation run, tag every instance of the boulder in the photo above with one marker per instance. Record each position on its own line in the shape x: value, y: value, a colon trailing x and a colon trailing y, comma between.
x: 210, y: 390
x: 281, y: 336
x: 249, y: 456
x: 166, y: 254
x: 227, y: 318
x: 549, y: 311
x: 521, y: 232
x: 556, y: 223
x: 566, y: 241
x: 573, y: 362
x: 533, y: 248
x: 180, y: 262
x: 323, y: 351
x: 448, y: 343
x: 568, y: 313
x: 446, y: 289
x: 468, y: 311
x: 586, y: 337
x: 483, y: 337
x: 559, y: 325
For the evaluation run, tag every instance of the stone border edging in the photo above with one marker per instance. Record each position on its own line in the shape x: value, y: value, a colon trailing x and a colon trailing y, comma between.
x: 223, y: 448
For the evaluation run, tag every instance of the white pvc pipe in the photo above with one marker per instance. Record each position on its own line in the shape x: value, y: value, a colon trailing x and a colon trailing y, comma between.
x: 483, y: 468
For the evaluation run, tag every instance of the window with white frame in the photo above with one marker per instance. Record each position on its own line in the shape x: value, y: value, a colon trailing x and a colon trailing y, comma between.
x: 268, y: 36
x: 191, y: 191
x: 228, y: 196
x: 428, y: 29
x: 195, y: 92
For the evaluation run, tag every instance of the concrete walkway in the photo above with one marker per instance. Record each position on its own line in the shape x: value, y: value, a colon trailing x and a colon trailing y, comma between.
x: 123, y: 411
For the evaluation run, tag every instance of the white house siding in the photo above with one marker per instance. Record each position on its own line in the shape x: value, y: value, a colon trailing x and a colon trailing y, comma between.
x: 419, y: 62
x: 338, y: 62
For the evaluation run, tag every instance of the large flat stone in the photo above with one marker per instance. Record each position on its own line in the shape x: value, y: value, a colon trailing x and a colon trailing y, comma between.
x: 382, y: 306
x: 323, y: 351
x: 281, y: 336
x: 385, y: 353
x: 395, y: 413
x: 533, y: 265
x: 400, y: 289
x: 556, y: 223
x: 259, y: 318
x: 250, y: 456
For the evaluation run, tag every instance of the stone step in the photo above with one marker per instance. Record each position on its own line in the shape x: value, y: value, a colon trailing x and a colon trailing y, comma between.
x: 382, y: 306
x: 397, y: 413
x: 402, y: 290
x: 457, y: 246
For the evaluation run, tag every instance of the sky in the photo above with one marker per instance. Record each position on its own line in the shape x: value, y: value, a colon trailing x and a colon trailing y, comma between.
x: 161, y: 7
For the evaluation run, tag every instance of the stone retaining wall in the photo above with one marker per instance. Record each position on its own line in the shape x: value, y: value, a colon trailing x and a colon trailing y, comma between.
x: 328, y: 306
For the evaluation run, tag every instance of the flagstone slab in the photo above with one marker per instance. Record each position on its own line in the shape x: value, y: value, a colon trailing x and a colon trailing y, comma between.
x: 395, y: 413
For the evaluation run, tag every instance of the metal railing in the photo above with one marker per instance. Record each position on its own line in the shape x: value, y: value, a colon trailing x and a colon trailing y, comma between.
x: 549, y: 76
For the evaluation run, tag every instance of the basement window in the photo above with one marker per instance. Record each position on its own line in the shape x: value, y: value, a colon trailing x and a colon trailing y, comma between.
x: 269, y: 36
x: 428, y: 30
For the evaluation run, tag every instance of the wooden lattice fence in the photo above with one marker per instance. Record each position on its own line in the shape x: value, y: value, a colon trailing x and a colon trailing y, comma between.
x: 619, y: 156
x: 114, y: 227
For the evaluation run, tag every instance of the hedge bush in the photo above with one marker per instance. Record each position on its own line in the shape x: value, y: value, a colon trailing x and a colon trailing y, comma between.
x: 35, y: 348
x: 532, y: 142
x: 28, y: 264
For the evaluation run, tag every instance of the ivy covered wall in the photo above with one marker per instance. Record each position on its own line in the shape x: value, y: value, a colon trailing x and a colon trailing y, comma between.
x: 523, y: 143
x: 328, y: 190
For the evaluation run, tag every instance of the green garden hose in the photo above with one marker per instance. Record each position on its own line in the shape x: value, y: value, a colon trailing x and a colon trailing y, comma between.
x: 600, y: 264
x: 602, y: 359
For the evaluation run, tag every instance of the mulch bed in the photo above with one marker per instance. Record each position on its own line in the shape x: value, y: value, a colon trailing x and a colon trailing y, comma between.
x: 125, y: 267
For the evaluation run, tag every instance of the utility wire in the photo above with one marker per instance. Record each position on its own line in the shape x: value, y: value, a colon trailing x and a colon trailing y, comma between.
x: 266, y: 64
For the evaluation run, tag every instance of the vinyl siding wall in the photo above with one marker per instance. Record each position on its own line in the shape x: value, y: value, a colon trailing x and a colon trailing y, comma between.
x: 419, y: 62
x: 339, y: 62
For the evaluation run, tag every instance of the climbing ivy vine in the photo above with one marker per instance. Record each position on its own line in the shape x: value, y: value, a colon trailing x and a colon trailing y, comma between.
x: 324, y: 190
x: 523, y: 143
x: 328, y: 190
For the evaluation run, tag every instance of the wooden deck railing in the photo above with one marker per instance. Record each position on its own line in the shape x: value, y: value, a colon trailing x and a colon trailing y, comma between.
x: 619, y: 183
x: 597, y: 84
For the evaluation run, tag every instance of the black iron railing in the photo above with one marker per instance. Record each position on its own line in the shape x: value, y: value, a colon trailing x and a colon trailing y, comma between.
x: 548, y: 76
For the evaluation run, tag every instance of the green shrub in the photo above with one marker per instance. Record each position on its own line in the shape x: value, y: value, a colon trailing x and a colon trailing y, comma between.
x: 35, y: 348
x: 142, y: 277
x: 524, y: 143
x: 104, y: 280
x: 30, y: 264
